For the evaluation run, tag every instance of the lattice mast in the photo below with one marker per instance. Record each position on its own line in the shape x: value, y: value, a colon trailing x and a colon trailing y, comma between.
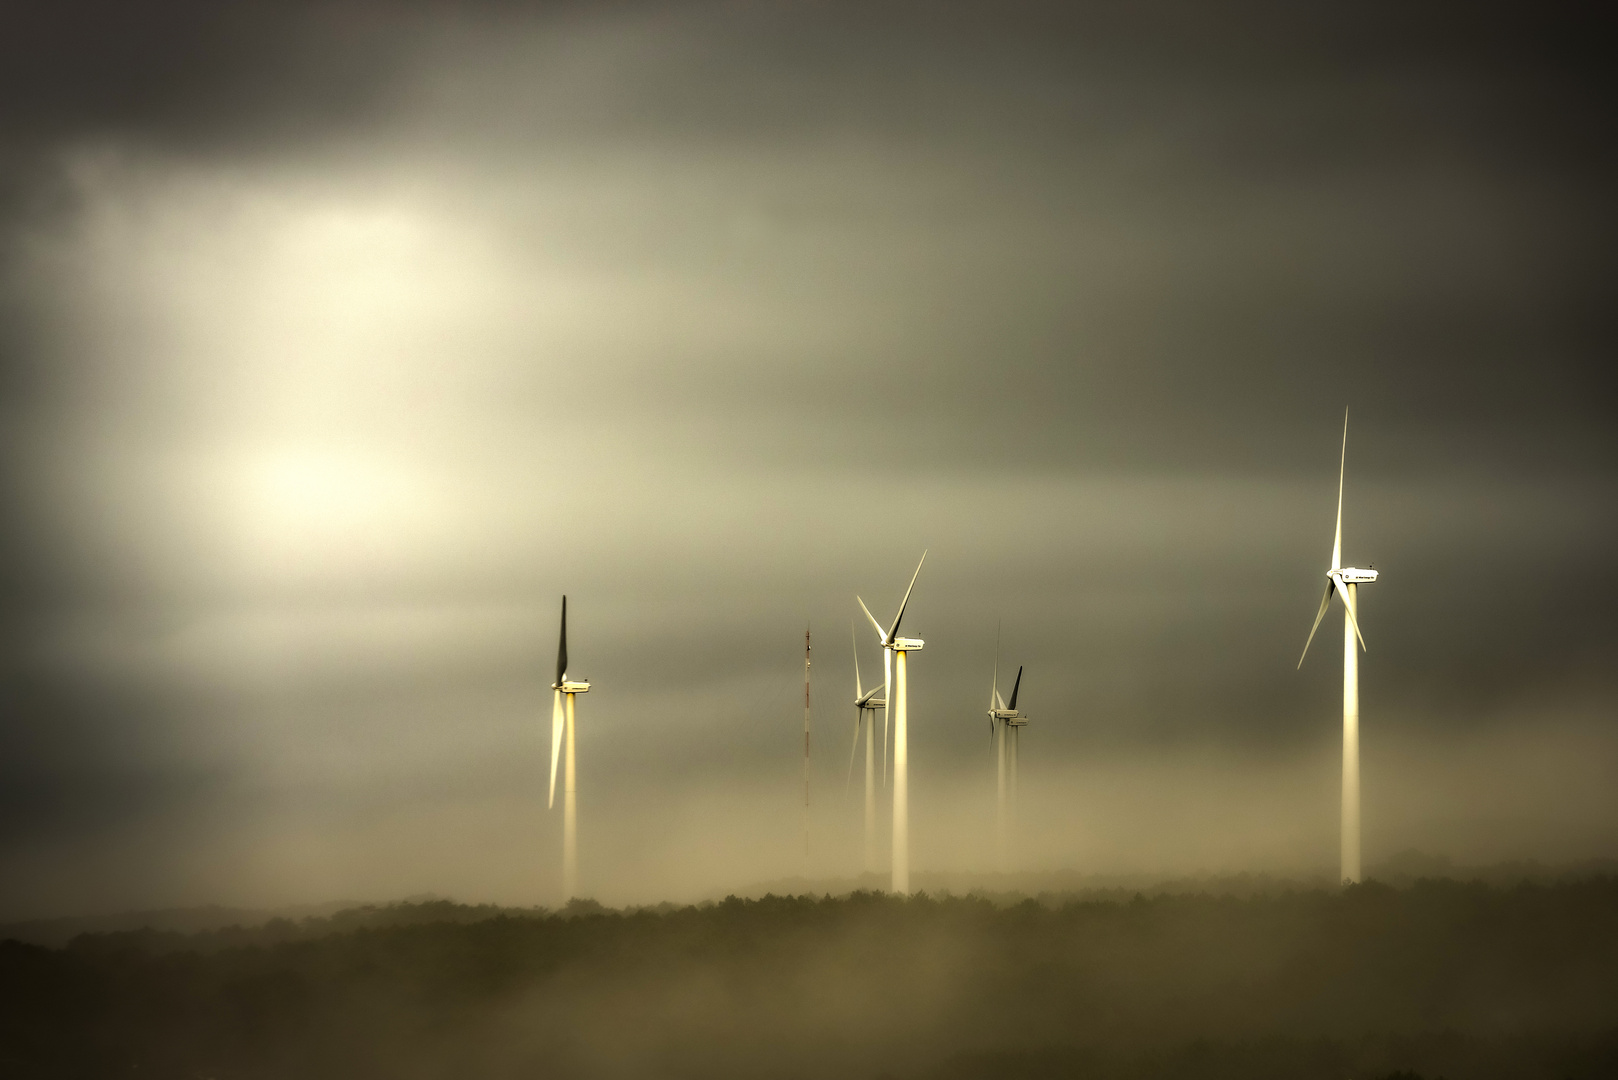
x: 806, y: 651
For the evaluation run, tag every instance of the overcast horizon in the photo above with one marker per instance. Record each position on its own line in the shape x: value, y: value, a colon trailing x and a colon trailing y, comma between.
x: 339, y: 340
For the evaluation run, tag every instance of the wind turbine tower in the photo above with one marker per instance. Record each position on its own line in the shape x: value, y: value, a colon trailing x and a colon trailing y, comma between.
x: 562, y: 724
x: 895, y: 649
x: 1345, y: 582
x: 1004, y: 724
x: 866, y: 701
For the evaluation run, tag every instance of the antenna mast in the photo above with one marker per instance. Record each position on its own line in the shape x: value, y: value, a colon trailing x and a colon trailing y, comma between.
x: 806, y: 747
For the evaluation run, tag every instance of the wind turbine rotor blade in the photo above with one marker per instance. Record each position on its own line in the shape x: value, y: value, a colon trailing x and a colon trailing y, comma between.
x: 859, y: 714
x: 880, y: 633
x: 903, y: 603
x: 994, y: 684
x: 1014, y: 688
x: 887, y: 709
x: 1342, y: 465
x: 1342, y: 590
x: 557, y: 724
x: 1325, y: 602
x: 561, y: 649
x: 858, y: 692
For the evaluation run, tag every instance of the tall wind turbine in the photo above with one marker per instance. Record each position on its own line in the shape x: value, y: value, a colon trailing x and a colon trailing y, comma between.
x: 562, y: 721
x: 894, y: 645
x: 1345, y: 582
x: 866, y: 701
x: 1005, y: 718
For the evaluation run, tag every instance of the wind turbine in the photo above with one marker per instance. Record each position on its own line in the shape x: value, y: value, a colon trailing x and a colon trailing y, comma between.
x: 1004, y: 718
x: 1345, y: 582
x: 894, y: 645
x: 866, y: 701
x: 562, y: 720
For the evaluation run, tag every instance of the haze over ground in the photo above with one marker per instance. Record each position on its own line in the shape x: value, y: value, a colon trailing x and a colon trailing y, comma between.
x: 337, y: 341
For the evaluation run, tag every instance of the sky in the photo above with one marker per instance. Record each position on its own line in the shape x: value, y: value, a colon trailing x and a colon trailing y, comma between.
x: 339, y: 340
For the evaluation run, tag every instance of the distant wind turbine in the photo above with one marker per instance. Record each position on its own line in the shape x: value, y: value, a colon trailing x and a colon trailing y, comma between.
x: 562, y: 720
x: 893, y: 645
x: 1004, y: 717
x: 866, y: 701
x: 1345, y: 582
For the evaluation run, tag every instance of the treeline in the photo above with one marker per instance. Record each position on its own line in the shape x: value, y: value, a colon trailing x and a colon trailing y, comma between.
x: 1440, y: 979
x: 279, y: 930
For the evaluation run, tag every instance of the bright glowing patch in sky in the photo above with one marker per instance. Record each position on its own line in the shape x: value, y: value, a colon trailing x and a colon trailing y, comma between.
x: 306, y: 510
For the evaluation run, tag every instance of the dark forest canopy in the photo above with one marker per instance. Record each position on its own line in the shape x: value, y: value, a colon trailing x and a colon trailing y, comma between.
x: 1442, y: 978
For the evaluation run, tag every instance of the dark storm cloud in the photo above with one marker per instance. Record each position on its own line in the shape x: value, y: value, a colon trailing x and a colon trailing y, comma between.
x: 194, y: 72
x: 1280, y: 192
x: 340, y: 338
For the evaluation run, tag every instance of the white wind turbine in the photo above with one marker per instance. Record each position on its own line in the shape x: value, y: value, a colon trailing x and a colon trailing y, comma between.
x: 1345, y: 582
x: 866, y: 701
x: 893, y: 645
x: 562, y: 721
x: 1004, y: 717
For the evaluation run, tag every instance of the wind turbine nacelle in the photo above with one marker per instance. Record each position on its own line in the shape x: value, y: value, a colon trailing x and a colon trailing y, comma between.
x: 1010, y: 716
x: 907, y: 644
x: 1353, y: 575
x: 1016, y: 720
x: 568, y: 687
x: 872, y: 703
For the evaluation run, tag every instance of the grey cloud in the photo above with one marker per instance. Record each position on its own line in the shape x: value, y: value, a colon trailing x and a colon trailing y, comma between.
x: 341, y: 340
